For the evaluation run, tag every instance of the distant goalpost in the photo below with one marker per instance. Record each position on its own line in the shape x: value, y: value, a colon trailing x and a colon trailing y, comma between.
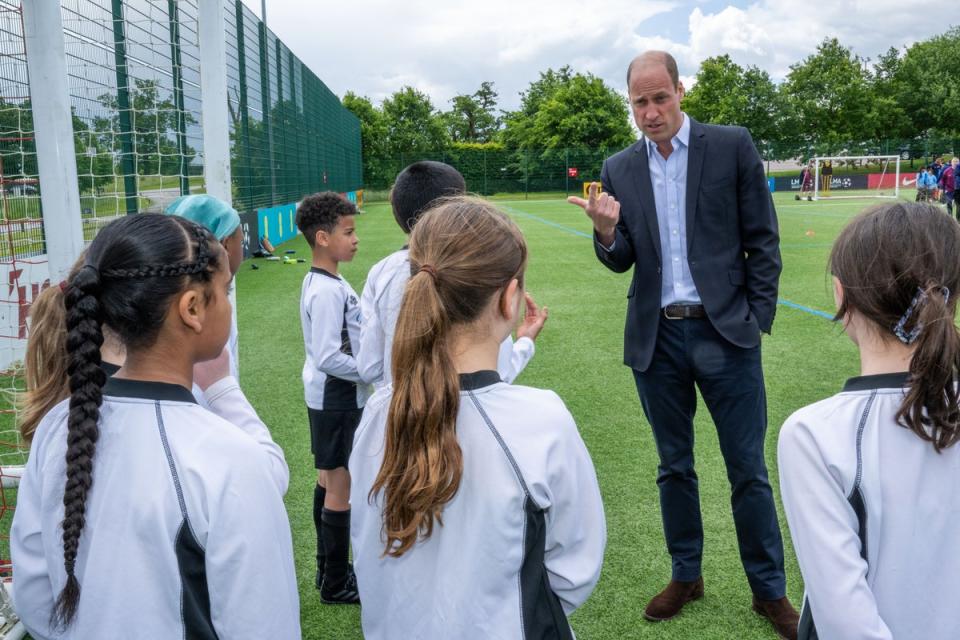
x: 886, y: 184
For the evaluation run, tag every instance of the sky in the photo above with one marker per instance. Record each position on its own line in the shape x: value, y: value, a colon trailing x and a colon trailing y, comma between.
x: 445, y: 48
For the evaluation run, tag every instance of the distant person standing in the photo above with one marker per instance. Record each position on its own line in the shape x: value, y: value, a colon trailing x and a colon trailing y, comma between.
x: 688, y: 210
x: 826, y: 177
x: 948, y: 183
x: 806, y: 182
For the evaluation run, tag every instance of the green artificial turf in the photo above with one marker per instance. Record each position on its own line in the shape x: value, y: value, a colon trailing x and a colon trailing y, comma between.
x: 579, y: 355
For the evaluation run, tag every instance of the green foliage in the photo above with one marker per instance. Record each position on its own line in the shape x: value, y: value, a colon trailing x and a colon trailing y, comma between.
x: 925, y: 83
x: 412, y: 123
x: 726, y: 93
x: 373, y: 134
x: 472, y: 118
x: 18, y: 151
x: 155, y: 126
x: 830, y: 93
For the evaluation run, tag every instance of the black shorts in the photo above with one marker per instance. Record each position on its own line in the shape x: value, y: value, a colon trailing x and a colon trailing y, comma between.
x: 331, y: 436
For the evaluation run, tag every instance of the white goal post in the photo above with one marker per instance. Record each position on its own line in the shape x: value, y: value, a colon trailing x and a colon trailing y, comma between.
x: 886, y: 177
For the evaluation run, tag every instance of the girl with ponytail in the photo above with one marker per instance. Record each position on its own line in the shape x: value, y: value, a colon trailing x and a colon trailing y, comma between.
x: 140, y: 514
x: 871, y: 476
x: 469, y: 495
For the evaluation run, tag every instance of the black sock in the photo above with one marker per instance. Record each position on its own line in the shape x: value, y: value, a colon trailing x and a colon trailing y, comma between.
x: 336, y: 541
x: 319, y: 495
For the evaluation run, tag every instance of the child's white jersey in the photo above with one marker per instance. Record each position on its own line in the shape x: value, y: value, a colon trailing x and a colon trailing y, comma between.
x: 380, y: 307
x: 330, y: 317
x: 874, y: 513
x: 521, y: 543
x: 186, y: 534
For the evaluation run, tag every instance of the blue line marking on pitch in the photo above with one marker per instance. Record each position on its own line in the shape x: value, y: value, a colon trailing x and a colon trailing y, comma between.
x: 577, y: 232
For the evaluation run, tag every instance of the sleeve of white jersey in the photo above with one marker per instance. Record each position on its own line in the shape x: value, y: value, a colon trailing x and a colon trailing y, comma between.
x: 576, y: 528
x: 326, y: 315
x: 249, y: 558
x: 225, y: 399
x: 370, y: 353
x: 824, y: 528
x: 33, y: 597
x: 514, y: 357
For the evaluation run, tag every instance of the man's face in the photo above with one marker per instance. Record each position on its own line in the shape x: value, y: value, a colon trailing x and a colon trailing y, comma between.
x: 655, y: 102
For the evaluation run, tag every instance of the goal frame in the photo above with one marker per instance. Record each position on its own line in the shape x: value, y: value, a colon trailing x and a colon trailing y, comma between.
x: 816, y: 176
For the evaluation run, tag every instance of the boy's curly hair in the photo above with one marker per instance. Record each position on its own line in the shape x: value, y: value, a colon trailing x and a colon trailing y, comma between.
x: 322, y: 211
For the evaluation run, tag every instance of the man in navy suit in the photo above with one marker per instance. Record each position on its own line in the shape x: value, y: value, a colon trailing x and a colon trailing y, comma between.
x: 689, y: 209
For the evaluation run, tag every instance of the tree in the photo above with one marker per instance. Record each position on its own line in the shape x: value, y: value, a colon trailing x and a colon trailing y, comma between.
x: 726, y: 93
x: 888, y: 95
x: 412, y: 123
x: 831, y: 95
x: 925, y: 83
x: 373, y: 134
x: 564, y: 110
x: 472, y: 118
x: 155, y: 127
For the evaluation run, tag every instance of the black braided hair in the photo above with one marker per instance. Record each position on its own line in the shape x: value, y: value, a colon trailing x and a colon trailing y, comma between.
x: 134, y: 268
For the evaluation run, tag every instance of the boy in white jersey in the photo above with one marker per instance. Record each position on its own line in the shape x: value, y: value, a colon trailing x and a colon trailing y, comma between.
x: 476, y: 511
x: 870, y: 476
x: 334, y: 391
x: 414, y: 191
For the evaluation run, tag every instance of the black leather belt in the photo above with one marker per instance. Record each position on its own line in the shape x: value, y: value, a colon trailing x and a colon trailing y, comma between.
x: 681, y: 311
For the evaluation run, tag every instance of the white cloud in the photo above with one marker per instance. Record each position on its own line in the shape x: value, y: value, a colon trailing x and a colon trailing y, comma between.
x: 373, y: 47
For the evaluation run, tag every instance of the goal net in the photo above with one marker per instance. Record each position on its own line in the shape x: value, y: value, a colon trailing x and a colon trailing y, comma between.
x: 856, y: 177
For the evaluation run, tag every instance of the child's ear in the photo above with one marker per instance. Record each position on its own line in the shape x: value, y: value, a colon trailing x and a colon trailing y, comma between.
x: 321, y: 238
x: 509, y: 301
x: 192, y: 309
x: 837, y: 292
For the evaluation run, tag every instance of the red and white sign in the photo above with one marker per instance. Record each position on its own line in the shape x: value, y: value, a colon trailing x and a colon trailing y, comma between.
x: 573, y: 172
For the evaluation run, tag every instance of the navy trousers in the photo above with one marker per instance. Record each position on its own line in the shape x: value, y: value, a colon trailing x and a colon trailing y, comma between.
x: 690, y: 353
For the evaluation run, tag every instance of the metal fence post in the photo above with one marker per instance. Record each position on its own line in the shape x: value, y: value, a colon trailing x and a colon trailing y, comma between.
x: 214, y: 97
x: 128, y: 158
x: 53, y: 121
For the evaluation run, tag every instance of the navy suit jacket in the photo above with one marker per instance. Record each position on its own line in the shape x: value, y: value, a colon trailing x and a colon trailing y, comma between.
x: 733, y: 245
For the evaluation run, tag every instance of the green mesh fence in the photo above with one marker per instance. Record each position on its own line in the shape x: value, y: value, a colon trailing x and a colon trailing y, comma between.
x: 290, y: 136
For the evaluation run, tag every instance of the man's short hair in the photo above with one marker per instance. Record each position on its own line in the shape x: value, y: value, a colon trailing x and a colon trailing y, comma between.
x: 653, y: 57
x: 322, y: 211
x: 419, y: 185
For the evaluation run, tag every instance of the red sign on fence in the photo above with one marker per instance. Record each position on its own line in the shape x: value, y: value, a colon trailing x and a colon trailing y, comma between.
x: 573, y: 172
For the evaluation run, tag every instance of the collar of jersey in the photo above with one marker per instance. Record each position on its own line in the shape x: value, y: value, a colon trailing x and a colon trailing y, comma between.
x: 879, y: 381
x: 147, y: 389
x: 478, y: 380
x: 323, y: 272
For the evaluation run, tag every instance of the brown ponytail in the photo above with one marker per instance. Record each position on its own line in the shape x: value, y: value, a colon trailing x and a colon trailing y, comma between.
x: 899, y: 268
x: 45, y: 363
x: 462, y: 253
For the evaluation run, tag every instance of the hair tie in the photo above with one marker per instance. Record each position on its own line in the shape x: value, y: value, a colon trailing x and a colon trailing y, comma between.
x: 920, y: 298
x: 428, y: 269
x: 63, y: 285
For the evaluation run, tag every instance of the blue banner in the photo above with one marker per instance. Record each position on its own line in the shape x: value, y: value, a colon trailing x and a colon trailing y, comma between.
x: 278, y: 224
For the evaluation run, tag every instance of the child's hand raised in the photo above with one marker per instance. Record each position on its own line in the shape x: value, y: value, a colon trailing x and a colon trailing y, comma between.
x: 533, y: 319
x: 206, y: 373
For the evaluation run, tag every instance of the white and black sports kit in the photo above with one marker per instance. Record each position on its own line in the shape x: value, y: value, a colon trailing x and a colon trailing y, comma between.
x: 874, y: 512
x: 380, y: 307
x: 521, y: 543
x: 186, y: 535
x: 333, y: 390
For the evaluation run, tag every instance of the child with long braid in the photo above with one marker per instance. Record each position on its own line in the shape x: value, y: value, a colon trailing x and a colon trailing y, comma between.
x: 141, y: 514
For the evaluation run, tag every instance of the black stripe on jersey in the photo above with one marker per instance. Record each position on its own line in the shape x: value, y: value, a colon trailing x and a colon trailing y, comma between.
x: 339, y: 394
x: 541, y: 613
x: 195, y: 593
x: 191, y: 560
x: 147, y: 389
x: 807, y: 629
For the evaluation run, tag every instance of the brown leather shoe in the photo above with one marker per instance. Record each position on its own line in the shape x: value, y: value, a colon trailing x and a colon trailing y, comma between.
x: 781, y: 614
x: 670, y: 601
